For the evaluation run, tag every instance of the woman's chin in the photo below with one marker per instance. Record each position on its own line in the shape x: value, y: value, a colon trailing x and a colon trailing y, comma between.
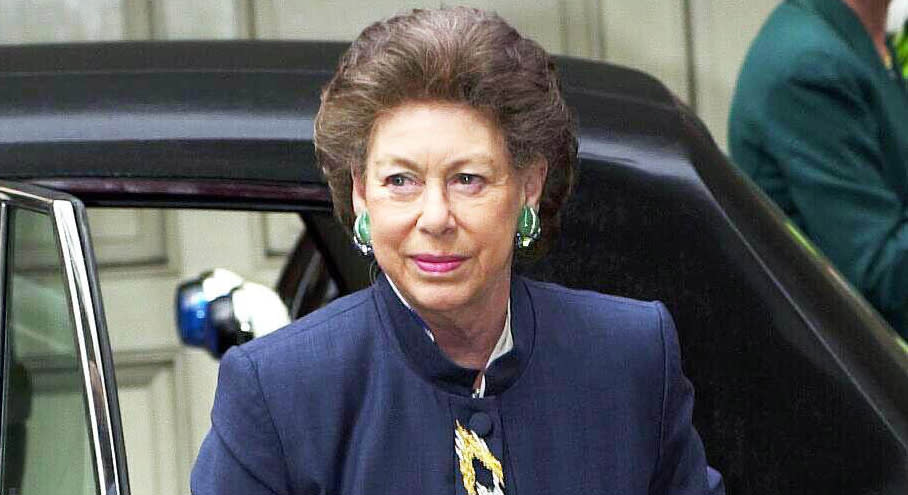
x: 442, y: 291
x: 440, y: 300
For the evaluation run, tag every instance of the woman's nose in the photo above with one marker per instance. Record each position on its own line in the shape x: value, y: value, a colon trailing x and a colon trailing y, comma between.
x: 436, y: 217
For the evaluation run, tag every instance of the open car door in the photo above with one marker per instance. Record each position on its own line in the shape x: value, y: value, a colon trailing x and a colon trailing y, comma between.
x: 60, y: 430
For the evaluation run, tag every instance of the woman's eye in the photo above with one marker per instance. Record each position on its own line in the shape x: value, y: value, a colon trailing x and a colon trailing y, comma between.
x: 468, y: 180
x: 469, y: 183
x: 398, y: 180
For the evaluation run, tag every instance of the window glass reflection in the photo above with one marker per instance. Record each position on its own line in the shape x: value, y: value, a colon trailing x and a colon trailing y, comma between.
x: 48, y: 449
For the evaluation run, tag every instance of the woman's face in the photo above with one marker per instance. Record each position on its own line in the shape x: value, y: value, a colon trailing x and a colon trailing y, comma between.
x: 443, y: 200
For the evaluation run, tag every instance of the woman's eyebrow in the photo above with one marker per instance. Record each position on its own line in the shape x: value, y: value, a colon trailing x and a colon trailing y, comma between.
x: 475, y: 159
x: 399, y: 161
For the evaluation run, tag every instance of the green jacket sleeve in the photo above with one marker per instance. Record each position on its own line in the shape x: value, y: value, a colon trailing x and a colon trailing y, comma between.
x: 827, y: 143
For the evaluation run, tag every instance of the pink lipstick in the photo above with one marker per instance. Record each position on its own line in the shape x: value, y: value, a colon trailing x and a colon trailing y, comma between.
x: 437, y: 264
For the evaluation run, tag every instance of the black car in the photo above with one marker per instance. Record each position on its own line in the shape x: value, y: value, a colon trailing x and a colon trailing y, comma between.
x: 801, y: 387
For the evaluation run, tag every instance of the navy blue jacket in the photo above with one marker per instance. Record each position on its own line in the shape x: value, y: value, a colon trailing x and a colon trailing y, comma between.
x: 356, y: 399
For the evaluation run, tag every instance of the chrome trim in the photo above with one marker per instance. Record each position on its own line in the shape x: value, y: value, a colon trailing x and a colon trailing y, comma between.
x: 87, y: 338
x: 88, y: 318
x: 4, y: 348
x: 27, y: 196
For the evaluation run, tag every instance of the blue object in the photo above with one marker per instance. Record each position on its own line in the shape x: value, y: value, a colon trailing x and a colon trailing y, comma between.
x: 192, y: 313
x: 206, y: 316
x: 201, y: 314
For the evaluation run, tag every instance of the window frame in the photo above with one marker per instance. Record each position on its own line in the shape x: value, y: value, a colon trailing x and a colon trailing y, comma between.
x: 80, y: 277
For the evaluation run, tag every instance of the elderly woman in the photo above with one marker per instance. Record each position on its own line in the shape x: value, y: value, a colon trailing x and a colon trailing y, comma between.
x: 448, y: 147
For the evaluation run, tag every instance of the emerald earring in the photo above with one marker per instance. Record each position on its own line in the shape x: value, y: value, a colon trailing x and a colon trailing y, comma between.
x: 528, y: 227
x: 362, y: 233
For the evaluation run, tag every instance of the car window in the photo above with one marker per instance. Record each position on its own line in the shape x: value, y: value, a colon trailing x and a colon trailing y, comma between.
x: 47, y: 447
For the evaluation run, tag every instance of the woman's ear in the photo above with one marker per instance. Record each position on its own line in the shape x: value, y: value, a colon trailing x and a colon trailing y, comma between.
x: 359, y: 192
x: 534, y: 181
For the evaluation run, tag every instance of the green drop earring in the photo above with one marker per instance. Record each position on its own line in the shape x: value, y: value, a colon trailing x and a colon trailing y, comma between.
x: 528, y: 227
x: 362, y: 233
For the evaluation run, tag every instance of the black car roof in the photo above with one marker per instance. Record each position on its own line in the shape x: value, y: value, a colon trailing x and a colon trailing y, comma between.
x: 234, y: 110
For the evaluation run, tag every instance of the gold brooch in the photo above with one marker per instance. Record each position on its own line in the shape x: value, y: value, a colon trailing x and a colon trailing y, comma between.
x: 470, y: 447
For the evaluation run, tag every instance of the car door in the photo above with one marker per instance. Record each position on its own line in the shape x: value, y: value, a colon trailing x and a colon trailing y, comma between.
x: 59, y: 416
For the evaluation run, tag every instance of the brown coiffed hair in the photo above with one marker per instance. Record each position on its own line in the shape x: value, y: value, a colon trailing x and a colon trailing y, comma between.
x: 460, y: 55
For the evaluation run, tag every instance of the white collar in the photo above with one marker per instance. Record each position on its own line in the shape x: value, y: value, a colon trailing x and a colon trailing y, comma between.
x: 503, y: 346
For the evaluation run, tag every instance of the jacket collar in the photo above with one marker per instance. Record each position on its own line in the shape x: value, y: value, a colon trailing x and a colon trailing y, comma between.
x: 847, y: 25
x: 406, y: 330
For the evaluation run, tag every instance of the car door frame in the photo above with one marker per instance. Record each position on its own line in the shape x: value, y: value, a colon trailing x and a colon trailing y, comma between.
x: 74, y: 248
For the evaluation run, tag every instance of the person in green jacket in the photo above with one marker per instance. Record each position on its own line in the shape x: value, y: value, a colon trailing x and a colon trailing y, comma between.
x: 820, y: 121
x: 900, y: 45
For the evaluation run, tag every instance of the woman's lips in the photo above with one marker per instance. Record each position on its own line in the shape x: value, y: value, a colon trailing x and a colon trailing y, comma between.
x: 437, y: 264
